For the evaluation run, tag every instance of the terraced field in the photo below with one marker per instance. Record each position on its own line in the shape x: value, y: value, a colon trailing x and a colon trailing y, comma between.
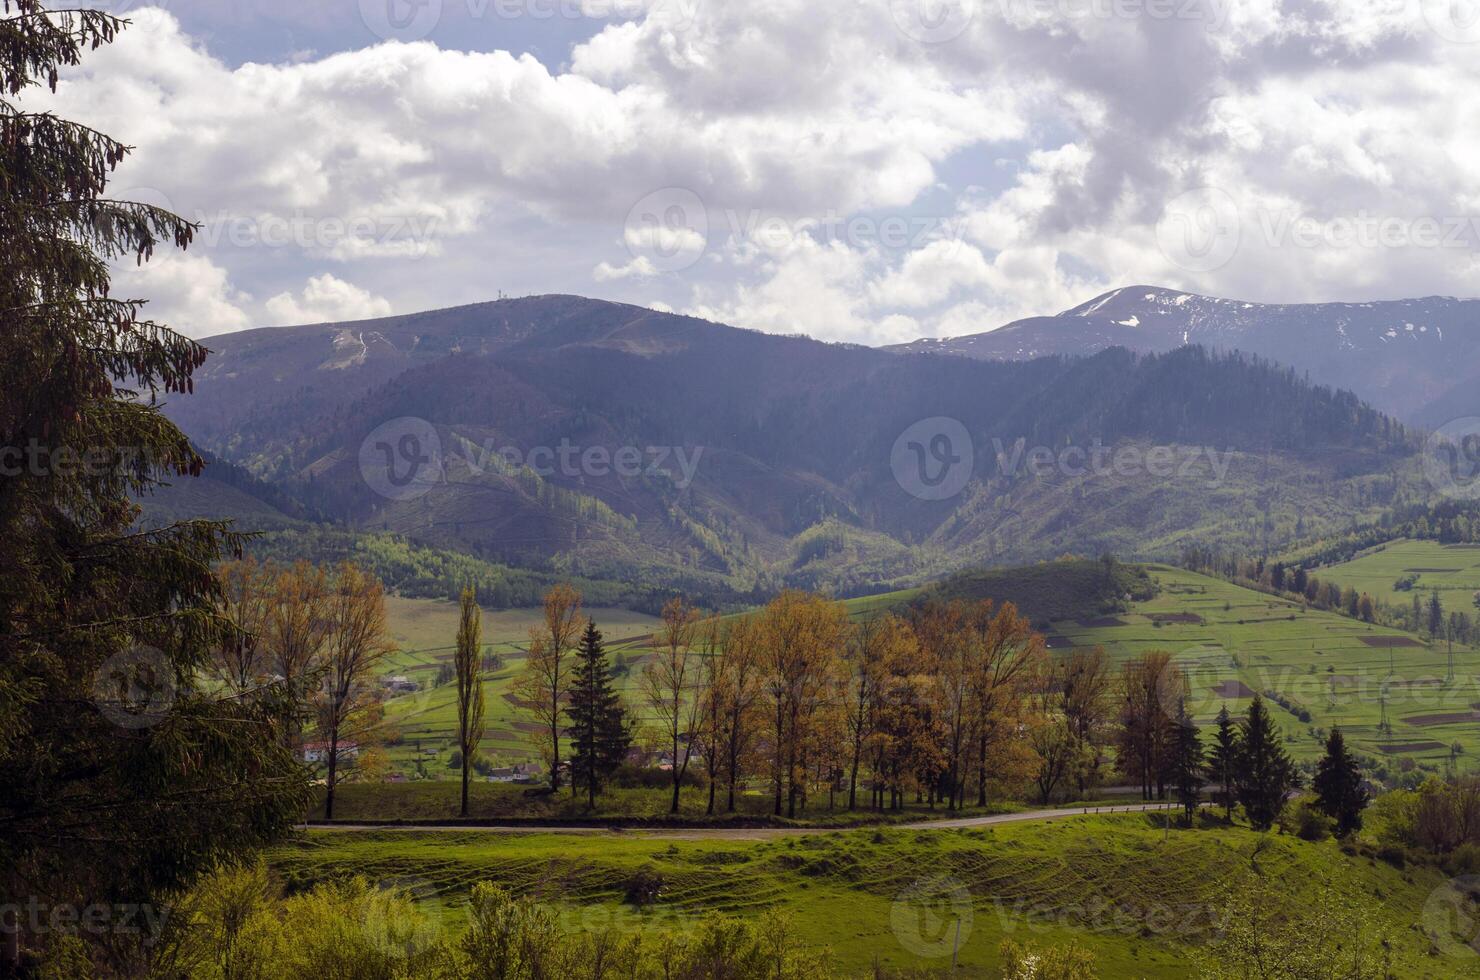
x: 1144, y: 904
x: 1232, y: 642
x: 1453, y: 569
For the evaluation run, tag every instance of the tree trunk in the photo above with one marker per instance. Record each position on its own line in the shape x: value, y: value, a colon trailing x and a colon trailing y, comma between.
x: 465, y: 770
x: 555, y: 747
x: 853, y: 783
x: 333, y: 771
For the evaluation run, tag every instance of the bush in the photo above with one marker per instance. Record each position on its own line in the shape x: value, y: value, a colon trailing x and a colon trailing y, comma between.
x: 1071, y: 962
x: 1395, y: 856
x: 1310, y: 823
x: 645, y: 887
x: 1464, y: 861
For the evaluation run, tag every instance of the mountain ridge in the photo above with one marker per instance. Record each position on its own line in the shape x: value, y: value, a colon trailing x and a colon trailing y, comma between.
x: 801, y: 480
x: 1418, y: 358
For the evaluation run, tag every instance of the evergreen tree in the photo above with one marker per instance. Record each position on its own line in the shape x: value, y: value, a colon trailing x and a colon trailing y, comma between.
x: 1223, y: 760
x: 469, y: 663
x: 123, y: 775
x: 1187, y: 762
x: 600, y: 730
x: 1264, y: 773
x: 1436, y: 615
x: 1338, y: 785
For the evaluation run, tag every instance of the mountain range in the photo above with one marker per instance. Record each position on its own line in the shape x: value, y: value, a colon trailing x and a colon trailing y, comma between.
x: 1416, y: 358
x: 758, y: 460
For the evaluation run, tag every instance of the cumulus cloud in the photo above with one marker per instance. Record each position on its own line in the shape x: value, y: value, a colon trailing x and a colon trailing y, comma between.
x: 1043, y: 146
x: 186, y: 292
x: 326, y: 299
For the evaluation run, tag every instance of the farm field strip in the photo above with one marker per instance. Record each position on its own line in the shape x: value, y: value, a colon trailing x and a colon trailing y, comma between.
x: 1321, y: 662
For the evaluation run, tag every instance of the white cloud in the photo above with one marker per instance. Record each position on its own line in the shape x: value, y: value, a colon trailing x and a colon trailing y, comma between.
x: 186, y: 292
x: 326, y: 299
x: 1055, y: 137
x: 638, y: 268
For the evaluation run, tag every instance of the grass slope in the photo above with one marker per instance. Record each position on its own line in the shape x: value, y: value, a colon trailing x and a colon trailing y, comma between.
x: 1223, y: 635
x: 1144, y: 905
x: 1453, y: 569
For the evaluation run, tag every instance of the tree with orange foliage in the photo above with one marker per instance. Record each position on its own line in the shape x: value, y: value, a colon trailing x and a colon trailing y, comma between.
x: 1004, y: 653
x: 803, y: 635
x: 874, y: 647
x: 1149, y: 690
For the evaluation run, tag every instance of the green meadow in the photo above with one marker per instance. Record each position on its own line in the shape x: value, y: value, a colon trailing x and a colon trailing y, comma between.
x: 1146, y: 903
x: 1232, y: 642
x: 1453, y: 569
x: 424, y: 631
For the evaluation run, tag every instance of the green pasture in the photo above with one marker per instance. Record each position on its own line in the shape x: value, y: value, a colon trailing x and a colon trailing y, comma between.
x: 1453, y: 569
x: 1224, y: 636
x: 1144, y: 902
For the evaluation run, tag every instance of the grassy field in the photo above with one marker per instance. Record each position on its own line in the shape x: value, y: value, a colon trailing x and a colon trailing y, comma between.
x: 424, y: 631
x: 1232, y: 642
x: 1145, y: 906
x: 1453, y: 569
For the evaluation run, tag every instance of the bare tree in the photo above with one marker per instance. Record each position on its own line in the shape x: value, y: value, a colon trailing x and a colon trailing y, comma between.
x: 243, y: 662
x: 548, y: 669
x: 350, y: 703
x: 670, y: 685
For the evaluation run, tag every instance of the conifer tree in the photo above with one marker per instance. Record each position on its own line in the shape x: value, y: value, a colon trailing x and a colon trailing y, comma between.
x: 123, y: 774
x: 1187, y: 761
x: 1223, y: 759
x: 600, y: 730
x: 1338, y: 785
x: 468, y: 661
x: 1264, y: 773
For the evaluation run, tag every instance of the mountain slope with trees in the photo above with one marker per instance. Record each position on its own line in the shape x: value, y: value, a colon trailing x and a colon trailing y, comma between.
x: 793, y: 446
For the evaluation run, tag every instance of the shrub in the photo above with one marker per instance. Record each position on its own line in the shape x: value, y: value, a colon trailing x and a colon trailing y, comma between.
x: 1071, y: 962
x: 1311, y: 824
x: 1464, y: 861
x: 645, y: 887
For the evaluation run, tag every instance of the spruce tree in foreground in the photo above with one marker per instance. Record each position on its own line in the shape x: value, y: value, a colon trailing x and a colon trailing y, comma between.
x: 1223, y: 758
x: 123, y: 775
x: 1187, y: 762
x: 600, y: 731
x: 468, y: 661
x: 1338, y: 785
x: 1264, y: 774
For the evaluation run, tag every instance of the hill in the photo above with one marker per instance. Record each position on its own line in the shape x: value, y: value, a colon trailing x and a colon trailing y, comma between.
x: 1318, y: 669
x: 1051, y: 592
x: 758, y: 461
x: 1417, y: 358
x: 1144, y: 905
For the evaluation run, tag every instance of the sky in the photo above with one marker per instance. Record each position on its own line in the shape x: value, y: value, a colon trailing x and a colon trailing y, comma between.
x: 863, y: 171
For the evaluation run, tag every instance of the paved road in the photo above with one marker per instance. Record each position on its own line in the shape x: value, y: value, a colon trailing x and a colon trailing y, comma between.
x: 758, y: 833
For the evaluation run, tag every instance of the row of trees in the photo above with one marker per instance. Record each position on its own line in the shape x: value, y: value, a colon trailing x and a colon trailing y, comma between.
x: 949, y: 703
